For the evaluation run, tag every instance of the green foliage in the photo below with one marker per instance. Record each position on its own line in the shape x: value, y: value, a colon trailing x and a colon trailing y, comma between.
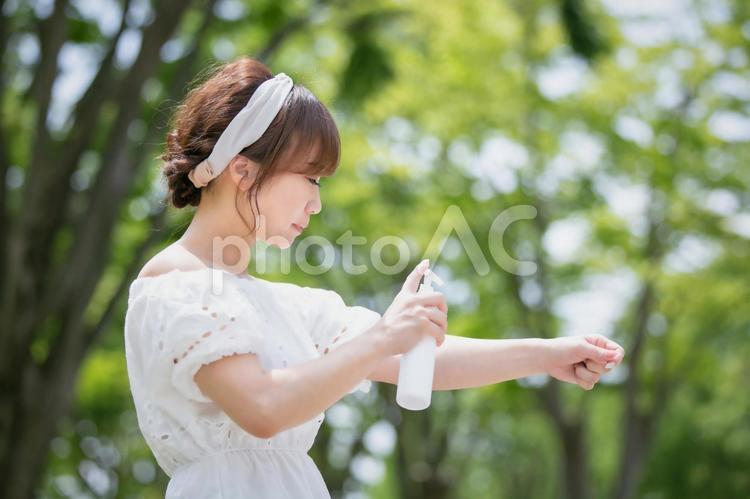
x: 631, y: 156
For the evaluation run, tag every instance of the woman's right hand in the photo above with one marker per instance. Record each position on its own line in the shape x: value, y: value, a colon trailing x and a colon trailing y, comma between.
x: 413, y: 316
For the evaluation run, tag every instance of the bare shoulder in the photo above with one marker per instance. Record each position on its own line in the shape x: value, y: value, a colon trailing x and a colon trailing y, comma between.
x: 173, y: 257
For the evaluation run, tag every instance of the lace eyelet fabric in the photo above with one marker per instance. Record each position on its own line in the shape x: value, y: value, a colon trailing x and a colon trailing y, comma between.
x: 178, y: 322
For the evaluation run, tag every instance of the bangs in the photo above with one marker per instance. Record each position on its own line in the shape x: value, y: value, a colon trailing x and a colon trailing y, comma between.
x: 312, y: 138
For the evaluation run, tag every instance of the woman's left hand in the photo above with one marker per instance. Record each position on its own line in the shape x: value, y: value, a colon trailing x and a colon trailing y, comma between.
x: 582, y: 359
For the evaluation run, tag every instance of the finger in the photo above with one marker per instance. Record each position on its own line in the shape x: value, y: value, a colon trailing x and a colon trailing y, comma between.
x: 567, y: 374
x: 599, y: 354
x: 594, y: 366
x: 432, y: 299
x: 585, y: 375
x: 619, y: 354
x: 585, y: 384
x: 604, y: 342
x: 436, y: 332
x: 437, y: 316
x: 412, y: 280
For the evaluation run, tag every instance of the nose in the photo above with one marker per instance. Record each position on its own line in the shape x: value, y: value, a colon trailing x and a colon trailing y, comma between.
x: 315, y: 205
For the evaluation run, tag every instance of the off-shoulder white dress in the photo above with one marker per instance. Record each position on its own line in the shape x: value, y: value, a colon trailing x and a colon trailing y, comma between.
x: 178, y: 321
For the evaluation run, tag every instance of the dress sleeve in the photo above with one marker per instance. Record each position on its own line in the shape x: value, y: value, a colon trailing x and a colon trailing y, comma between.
x: 332, y: 323
x: 202, y: 326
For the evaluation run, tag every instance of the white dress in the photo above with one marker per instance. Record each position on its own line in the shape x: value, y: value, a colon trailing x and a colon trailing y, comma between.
x: 178, y: 321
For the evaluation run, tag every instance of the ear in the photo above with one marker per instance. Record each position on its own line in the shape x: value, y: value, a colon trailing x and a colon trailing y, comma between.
x: 242, y: 171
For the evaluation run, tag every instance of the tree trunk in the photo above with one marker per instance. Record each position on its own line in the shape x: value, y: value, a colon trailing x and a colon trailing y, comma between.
x: 575, y: 462
x: 40, y: 299
x: 36, y: 390
x: 420, y: 450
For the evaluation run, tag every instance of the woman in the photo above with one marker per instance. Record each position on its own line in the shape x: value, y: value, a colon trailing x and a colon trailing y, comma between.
x: 230, y: 373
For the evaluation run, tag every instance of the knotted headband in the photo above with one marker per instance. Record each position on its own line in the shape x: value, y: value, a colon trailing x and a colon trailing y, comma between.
x: 245, y: 128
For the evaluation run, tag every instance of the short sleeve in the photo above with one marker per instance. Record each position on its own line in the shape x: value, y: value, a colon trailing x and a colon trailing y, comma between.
x: 203, y: 326
x: 332, y: 323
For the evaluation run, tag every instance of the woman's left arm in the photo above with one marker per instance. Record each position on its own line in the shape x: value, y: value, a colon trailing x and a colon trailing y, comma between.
x: 462, y: 362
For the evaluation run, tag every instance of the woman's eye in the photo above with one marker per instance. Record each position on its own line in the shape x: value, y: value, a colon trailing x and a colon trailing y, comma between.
x: 313, y: 181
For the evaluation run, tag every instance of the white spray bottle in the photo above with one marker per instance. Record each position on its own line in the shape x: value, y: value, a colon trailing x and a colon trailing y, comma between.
x: 415, y: 374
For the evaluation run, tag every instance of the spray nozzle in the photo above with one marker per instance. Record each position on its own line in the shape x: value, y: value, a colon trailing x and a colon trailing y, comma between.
x: 429, y: 278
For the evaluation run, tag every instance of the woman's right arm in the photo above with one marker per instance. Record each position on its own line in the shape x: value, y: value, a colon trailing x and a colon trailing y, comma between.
x: 266, y: 403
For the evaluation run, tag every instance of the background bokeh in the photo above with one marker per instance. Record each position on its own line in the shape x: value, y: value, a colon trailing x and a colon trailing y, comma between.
x: 626, y: 124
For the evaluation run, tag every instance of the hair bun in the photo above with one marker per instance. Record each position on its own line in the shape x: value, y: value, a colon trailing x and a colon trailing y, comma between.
x: 181, y: 189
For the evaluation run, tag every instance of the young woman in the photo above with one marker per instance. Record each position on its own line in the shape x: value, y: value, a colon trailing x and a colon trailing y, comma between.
x: 230, y: 373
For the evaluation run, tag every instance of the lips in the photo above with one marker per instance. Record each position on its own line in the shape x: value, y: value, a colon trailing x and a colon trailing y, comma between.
x: 298, y: 227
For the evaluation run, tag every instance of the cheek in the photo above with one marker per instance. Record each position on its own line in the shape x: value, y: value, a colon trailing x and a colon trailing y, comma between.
x: 276, y: 205
x: 268, y: 197
x: 287, y: 196
x: 282, y: 199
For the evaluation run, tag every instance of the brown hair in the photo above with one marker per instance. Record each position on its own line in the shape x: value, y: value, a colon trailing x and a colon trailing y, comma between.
x: 301, y: 124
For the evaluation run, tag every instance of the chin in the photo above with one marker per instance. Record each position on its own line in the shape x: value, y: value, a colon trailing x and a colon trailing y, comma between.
x: 280, y: 242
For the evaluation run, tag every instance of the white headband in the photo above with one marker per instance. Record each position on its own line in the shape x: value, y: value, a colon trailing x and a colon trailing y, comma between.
x: 245, y: 128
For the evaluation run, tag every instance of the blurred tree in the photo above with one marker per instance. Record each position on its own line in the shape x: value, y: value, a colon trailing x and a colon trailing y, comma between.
x: 525, y: 122
x: 583, y: 35
x: 54, y: 251
x: 76, y: 175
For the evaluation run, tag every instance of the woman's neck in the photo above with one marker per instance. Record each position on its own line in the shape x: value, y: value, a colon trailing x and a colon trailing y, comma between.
x: 219, y: 238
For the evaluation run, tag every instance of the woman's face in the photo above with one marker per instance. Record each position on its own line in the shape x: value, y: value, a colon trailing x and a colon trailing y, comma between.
x: 286, y: 202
